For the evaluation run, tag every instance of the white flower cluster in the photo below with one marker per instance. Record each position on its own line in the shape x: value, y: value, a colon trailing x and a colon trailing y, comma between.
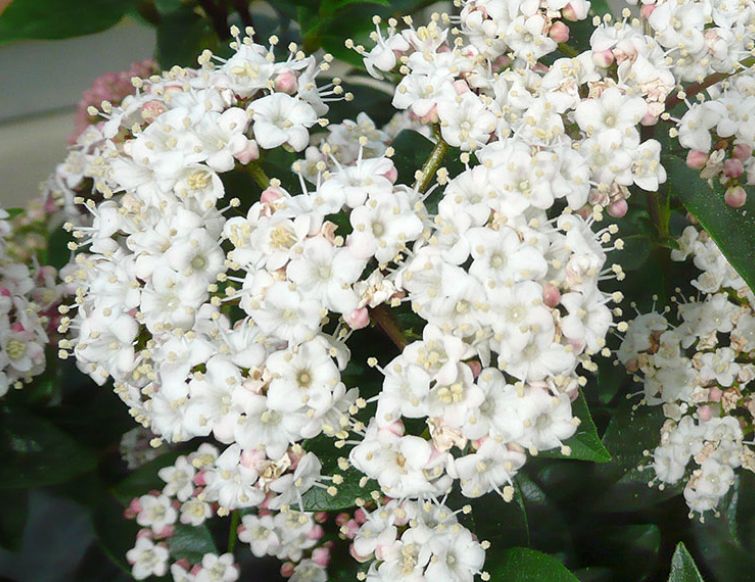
x: 204, y: 482
x: 513, y: 307
x: 700, y: 370
x: 573, y: 123
x: 29, y: 294
x: 411, y: 540
x: 720, y: 135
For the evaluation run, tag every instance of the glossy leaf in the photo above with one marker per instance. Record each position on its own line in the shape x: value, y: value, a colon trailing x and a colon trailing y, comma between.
x: 732, y: 229
x: 181, y: 36
x: 35, y: 452
x: 55, y: 19
x: 683, y: 567
x: 191, y: 543
x: 526, y: 565
x: 585, y: 444
x: 502, y: 524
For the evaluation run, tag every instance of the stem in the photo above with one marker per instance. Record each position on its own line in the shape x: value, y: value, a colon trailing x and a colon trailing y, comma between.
x: 696, y: 88
x: 259, y: 175
x: 569, y: 51
x: 233, y: 532
x: 384, y: 319
x: 432, y: 164
x: 218, y: 18
x: 242, y: 7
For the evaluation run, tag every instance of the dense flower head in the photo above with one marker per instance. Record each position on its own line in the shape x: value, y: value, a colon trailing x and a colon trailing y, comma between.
x: 29, y: 296
x: 700, y: 371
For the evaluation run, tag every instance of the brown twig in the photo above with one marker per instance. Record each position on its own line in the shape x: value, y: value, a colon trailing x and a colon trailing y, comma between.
x: 709, y: 81
x: 384, y: 319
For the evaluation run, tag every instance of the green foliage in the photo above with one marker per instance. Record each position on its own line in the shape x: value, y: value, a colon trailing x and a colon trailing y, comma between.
x: 502, y: 524
x: 683, y: 568
x: 191, y: 542
x: 526, y: 565
x: 731, y: 229
x: 54, y: 19
x: 585, y: 444
x: 182, y: 35
x: 13, y: 518
x: 35, y: 452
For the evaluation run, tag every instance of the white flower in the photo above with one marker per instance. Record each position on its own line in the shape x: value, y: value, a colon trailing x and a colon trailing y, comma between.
x: 281, y: 119
x: 147, y: 559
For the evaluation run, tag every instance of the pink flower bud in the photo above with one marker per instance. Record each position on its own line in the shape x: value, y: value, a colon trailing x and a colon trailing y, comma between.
x: 476, y: 368
x: 286, y: 82
x: 152, y: 110
x: 360, y: 516
x: 715, y: 394
x: 5, y: 292
x: 321, y: 557
x: 551, y: 295
x: 196, y: 569
x: 461, y: 87
x: 350, y: 529
x: 321, y: 517
x: 166, y: 532
x: 342, y: 519
x: 392, y: 175
x: 358, y: 319
x: 316, y: 532
x: 270, y: 194
x: 559, y: 32
x: 704, y: 413
x: 396, y: 428
x: 250, y: 458
x: 735, y: 197
x: 618, y: 209
x: 649, y: 119
x: 287, y: 569
x: 250, y: 153
x: 17, y: 326
x: 742, y: 151
x: 145, y: 532
x: 733, y: 168
x: 135, y: 505
x: 429, y: 117
x: 696, y: 159
x: 603, y: 59
x: 199, y: 479
x: 647, y: 10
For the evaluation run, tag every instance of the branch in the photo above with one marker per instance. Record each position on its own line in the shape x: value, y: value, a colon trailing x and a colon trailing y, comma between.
x: 218, y: 18
x: 233, y: 531
x: 259, y: 175
x: 710, y: 80
x: 432, y: 164
x: 383, y: 318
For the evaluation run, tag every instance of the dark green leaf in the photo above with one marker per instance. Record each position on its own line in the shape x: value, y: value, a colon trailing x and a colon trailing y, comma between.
x: 732, y: 229
x: 13, y: 518
x: 191, y: 543
x: 58, y: 253
x: 116, y: 535
x: 600, y: 7
x: 181, y: 36
x: 629, y: 549
x: 330, y: 6
x: 629, y: 433
x: 317, y: 498
x: 13, y: 212
x: 502, y: 524
x: 144, y: 479
x: 35, y: 452
x: 525, y: 565
x: 683, y: 568
x: 585, y: 444
x: 53, y: 19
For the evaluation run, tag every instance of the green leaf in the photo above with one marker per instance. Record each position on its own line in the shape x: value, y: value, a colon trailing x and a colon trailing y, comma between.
x: 116, y: 535
x: 144, y: 479
x: 13, y: 212
x: 585, y: 444
x: 317, y: 498
x: 502, y: 524
x: 181, y: 36
x: 330, y: 6
x: 629, y: 433
x: 13, y: 518
x: 683, y: 568
x: 732, y: 229
x: 58, y: 253
x: 525, y: 565
x: 35, y: 452
x: 191, y: 543
x: 54, y: 19
x: 600, y: 7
